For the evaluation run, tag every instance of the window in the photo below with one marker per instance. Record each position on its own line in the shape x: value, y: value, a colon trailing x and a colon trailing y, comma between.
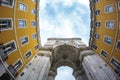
x: 97, y: 24
x: 119, y: 5
x: 33, y: 23
x: 33, y: 11
x: 34, y: 1
x: 34, y: 36
x: 10, y: 47
x: 97, y: 36
x: 22, y: 7
x: 5, y: 24
x: 22, y: 23
x: 17, y: 65
x: 115, y: 63
x: 109, y: 24
x: 36, y: 47
x: 8, y: 3
x: 109, y: 8
x: 24, y: 40
x: 28, y: 54
x: 96, y: 1
x: 108, y: 40
x: 94, y: 47
x: 118, y: 45
x: 97, y: 12
x: 103, y: 53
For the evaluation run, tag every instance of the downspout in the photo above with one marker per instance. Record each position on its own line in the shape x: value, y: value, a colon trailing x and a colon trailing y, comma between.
x: 38, y: 25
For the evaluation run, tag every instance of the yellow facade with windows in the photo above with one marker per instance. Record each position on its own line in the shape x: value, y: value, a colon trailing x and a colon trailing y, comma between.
x: 109, y: 11
x: 14, y: 30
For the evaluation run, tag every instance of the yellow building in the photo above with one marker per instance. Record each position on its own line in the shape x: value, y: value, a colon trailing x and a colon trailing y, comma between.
x: 105, y: 31
x: 19, y: 38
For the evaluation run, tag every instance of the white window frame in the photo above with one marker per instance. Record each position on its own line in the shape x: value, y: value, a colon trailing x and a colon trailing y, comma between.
x: 102, y: 55
x: 96, y: 2
x: 119, y: 5
x: 9, y: 43
x: 24, y: 5
x: 34, y: 1
x: 17, y: 61
x: 11, y: 24
x: 22, y: 20
x: 117, y: 44
x: 111, y: 63
x: 8, y: 5
x: 33, y: 34
x: 35, y: 46
x: 34, y: 10
x: 106, y: 42
x: 96, y: 22
x: 96, y: 11
x: 35, y: 22
x: 108, y: 6
x: 96, y: 37
x: 109, y: 21
x: 29, y: 56
x: 26, y: 42
x: 94, y: 48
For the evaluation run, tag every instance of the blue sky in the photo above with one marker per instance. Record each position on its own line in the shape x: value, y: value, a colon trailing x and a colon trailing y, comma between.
x: 66, y: 71
x: 64, y: 19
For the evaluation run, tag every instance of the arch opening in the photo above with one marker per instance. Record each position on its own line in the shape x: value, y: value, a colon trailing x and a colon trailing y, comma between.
x: 64, y: 73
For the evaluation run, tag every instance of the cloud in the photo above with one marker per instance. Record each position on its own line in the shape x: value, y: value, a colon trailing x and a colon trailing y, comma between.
x: 64, y: 18
x: 66, y: 71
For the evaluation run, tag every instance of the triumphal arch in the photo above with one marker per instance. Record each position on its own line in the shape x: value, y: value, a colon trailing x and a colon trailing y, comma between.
x: 70, y: 52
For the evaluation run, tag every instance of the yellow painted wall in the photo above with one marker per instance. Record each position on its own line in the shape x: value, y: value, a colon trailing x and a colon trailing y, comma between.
x: 16, y: 33
x: 110, y: 49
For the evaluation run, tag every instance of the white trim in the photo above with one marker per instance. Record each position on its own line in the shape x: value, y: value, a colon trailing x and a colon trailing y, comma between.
x: 26, y: 42
x: 98, y: 26
x: 17, y: 61
x: 102, y: 55
x: 9, y: 43
x: 6, y: 67
x: 35, y: 22
x: 107, y: 6
x: 111, y: 60
x: 23, y: 4
x: 23, y: 20
x: 97, y: 10
x: 33, y: 1
x: 35, y: 46
x: 109, y: 21
x: 15, y: 33
x: 117, y: 43
x: 97, y: 34
x: 11, y: 24
x: 29, y: 56
x: 36, y: 36
x: 8, y: 6
x: 108, y: 43
x: 119, y: 5
x: 35, y: 11
x: 97, y: 2
x: 93, y: 48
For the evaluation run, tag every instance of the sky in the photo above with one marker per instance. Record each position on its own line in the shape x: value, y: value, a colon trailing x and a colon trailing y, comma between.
x: 66, y: 71
x: 64, y: 19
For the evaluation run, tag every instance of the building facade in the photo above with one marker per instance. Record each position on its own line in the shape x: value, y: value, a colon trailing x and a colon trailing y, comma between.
x: 21, y: 59
x: 105, y: 31
x: 19, y: 38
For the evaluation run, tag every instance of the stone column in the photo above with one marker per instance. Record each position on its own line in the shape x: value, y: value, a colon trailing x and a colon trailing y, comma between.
x: 80, y: 75
x: 51, y: 75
